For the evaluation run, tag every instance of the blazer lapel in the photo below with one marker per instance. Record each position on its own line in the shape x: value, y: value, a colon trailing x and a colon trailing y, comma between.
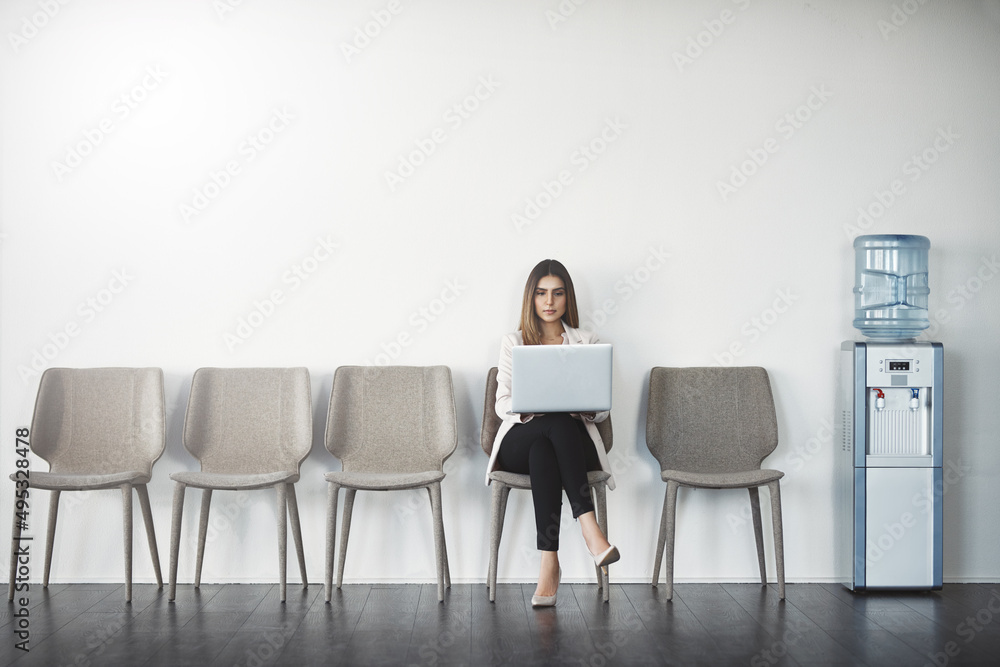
x: 573, y: 336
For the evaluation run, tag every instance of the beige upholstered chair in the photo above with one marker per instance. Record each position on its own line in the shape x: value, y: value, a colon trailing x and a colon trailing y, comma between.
x: 502, y: 482
x: 392, y: 427
x: 249, y: 428
x: 711, y: 428
x: 98, y: 428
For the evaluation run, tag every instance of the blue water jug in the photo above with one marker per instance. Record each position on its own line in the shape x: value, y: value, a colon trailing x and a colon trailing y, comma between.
x: 890, y: 285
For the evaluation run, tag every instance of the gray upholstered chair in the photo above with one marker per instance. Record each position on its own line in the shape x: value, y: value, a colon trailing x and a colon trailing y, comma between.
x: 502, y: 482
x: 711, y: 428
x: 392, y: 427
x: 249, y: 428
x: 98, y: 428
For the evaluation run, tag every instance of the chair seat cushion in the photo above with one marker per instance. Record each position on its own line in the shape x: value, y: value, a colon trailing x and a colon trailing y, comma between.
x: 722, y: 480
x: 234, y: 482
x: 519, y: 481
x: 384, y: 481
x: 84, y: 482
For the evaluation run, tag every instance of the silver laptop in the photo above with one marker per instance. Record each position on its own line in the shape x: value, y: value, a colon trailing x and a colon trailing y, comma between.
x: 561, y: 378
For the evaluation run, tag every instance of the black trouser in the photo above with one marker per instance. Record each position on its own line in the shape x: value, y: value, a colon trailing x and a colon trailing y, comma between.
x: 556, y: 451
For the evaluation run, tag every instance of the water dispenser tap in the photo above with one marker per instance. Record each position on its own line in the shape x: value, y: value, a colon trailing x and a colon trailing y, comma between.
x: 914, y: 399
x: 879, y: 399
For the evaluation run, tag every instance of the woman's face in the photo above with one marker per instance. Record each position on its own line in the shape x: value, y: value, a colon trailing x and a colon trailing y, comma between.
x: 550, y: 299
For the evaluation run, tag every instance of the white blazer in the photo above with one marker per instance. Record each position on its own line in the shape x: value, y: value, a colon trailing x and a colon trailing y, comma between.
x: 571, y: 336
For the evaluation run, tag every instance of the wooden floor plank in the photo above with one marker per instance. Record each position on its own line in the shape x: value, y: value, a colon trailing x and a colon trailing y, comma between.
x: 738, y: 637
x: 704, y: 624
x: 679, y: 636
x: 442, y: 632
x: 793, y: 631
x: 852, y: 621
x: 499, y: 631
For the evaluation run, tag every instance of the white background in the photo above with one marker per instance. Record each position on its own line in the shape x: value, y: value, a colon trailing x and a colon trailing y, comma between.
x: 677, y: 118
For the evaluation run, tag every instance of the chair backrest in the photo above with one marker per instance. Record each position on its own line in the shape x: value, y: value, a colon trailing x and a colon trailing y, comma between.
x: 249, y: 420
x: 710, y: 420
x: 491, y: 421
x: 99, y: 420
x: 392, y: 418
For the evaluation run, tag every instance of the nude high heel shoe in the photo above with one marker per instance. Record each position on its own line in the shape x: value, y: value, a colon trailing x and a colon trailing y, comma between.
x: 607, y: 557
x: 546, y: 600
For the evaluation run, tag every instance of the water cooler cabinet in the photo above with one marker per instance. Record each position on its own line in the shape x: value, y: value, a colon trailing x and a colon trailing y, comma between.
x: 890, y: 479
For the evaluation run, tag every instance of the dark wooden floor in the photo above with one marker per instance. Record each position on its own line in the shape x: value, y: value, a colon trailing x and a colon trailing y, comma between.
x: 706, y: 624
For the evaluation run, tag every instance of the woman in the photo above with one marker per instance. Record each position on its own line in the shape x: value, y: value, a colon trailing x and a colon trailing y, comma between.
x: 555, y: 449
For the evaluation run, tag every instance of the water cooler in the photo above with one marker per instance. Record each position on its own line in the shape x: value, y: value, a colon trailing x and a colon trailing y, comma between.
x: 890, y: 426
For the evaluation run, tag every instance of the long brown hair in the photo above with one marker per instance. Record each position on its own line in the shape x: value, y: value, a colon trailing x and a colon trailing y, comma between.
x: 531, y: 333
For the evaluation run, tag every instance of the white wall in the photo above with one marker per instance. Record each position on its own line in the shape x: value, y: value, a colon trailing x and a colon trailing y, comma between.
x: 887, y: 81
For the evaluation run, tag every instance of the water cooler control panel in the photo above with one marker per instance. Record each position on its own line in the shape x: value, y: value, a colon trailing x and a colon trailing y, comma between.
x: 900, y: 366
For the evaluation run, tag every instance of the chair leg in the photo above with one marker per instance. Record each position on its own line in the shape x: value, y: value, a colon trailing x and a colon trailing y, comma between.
x: 498, y: 505
x: 332, y: 495
x: 672, y: 488
x: 15, y: 542
x: 206, y: 505
x: 447, y: 567
x: 779, y: 544
x: 147, y: 518
x: 127, y: 533
x: 50, y: 535
x: 758, y: 532
x: 597, y: 568
x: 661, y: 539
x: 503, y: 520
x: 282, y: 492
x: 444, y: 552
x: 444, y: 541
x: 293, y: 520
x: 666, y: 538
x: 602, y: 522
x: 175, y: 536
x: 434, y: 490
x: 345, y: 533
